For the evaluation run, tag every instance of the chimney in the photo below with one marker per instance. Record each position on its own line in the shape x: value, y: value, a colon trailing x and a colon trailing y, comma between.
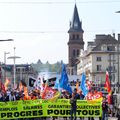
x: 118, y: 37
x: 113, y: 35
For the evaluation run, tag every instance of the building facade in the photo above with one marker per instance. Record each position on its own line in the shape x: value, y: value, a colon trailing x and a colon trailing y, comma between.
x: 101, y: 55
x: 75, y: 43
x: 22, y: 72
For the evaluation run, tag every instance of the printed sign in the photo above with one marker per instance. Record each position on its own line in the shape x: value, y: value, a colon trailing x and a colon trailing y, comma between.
x: 40, y: 108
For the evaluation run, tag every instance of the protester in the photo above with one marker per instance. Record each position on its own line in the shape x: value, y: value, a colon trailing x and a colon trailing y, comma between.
x: 5, y: 97
x: 73, y: 102
x: 110, y: 104
x: 104, y: 108
x: 81, y: 95
x: 81, y: 98
x: 12, y: 96
x: 1, y: 96
x: 41, y: 92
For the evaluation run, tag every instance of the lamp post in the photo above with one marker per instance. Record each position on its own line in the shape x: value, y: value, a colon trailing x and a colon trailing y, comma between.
x: 6, y: 40
x: 118, y: 66
x: 5, y: 53
x: 117, y: 12
x: 14, y: 70
x: 118, y: 57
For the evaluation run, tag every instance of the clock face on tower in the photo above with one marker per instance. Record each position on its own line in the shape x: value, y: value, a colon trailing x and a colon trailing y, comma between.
x: 75, y: 24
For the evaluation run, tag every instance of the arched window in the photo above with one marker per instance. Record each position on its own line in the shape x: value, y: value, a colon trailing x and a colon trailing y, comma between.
x: 73, y: 52
x: 78, y: 52
x: 77, y: 37
x: 73, y: 37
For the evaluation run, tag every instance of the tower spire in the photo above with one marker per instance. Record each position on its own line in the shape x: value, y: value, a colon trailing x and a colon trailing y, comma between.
x: 75, y: 43
x: 75, y: 22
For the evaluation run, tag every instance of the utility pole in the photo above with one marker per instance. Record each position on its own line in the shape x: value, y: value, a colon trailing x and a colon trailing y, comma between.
x: 14, y: 57
x: 5, y: 40
x: 118, y: 58
x: 110, y: 66
x: 118, y: 66
x: 5, y: 53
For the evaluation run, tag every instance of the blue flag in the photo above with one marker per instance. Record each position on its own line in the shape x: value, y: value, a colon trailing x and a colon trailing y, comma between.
x: 56, y: 86
x: 64, y: 77
x: 64, y: 80
x: 83, y: 84
x: 68, y: 88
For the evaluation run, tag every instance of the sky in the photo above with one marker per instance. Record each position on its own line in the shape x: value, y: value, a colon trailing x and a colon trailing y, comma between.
x: 39, y: 28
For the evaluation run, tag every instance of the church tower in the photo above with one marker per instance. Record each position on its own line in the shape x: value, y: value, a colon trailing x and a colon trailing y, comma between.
x: 75, y: 43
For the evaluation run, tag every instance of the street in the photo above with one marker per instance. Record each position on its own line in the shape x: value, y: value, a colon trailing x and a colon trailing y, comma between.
x: 110, y: 118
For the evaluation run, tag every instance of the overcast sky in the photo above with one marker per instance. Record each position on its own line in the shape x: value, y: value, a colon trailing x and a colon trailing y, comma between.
x: 39, y: 27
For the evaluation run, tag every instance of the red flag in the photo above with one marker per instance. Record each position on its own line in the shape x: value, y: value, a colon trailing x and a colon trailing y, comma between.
x: 7, y: 81
x: 2, y: 87
x: 48, y: 93
x: 107, y: 83
x: 109, y: 99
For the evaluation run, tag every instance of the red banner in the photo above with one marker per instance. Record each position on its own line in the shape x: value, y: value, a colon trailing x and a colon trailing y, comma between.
x: 95, y: 96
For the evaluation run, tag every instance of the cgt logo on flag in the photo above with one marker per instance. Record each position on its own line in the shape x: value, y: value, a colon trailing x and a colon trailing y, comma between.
x: 48, y: 93
x: 94, y: 96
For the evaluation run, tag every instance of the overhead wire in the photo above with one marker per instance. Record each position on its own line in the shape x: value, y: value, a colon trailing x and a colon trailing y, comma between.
x: 53, y: 2
x: 52, y: 32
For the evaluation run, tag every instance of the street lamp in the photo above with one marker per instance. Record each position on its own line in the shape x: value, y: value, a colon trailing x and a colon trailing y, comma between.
x: 6, y: 40
x: 14, y: 58
x: 118, y: 65
x: 117, y: 12
x: 5, y: 53
x: 118, y: 57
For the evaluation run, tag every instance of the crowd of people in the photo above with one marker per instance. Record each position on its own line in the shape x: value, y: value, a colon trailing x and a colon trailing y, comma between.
x: 13, y: 95
x: 18, y: 95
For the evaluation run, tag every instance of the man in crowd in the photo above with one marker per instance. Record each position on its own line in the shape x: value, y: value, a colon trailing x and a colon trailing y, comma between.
x: 73, y: 102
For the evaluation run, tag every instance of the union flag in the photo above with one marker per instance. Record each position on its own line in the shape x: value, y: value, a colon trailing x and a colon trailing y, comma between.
x: 107, y: 83
x: 50, y: 94
x: 2, y: 87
